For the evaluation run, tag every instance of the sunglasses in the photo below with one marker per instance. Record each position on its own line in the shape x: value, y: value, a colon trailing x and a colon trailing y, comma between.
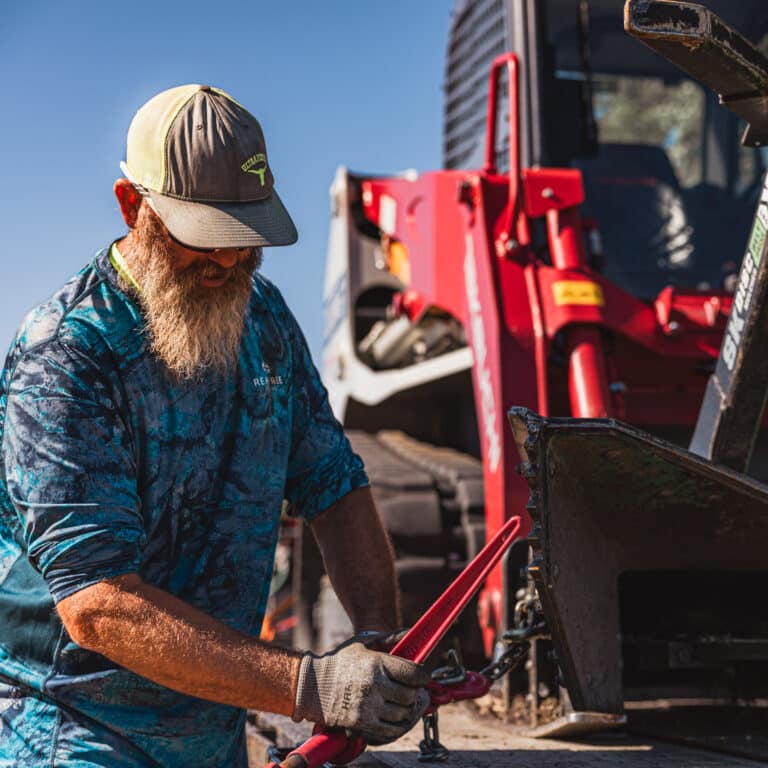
x: 206, y: 251
x: 194, y: 248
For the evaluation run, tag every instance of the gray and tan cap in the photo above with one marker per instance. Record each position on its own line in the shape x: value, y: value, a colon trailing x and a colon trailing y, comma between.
x: 201, y: 159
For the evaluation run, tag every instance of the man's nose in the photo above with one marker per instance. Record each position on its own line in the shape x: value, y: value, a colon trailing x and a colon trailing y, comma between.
x: 226, y: 258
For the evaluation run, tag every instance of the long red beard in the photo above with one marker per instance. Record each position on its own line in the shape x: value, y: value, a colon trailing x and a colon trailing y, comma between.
x: 192, y: 329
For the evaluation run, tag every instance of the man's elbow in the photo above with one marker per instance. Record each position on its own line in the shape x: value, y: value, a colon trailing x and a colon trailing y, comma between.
x: 87, y: 614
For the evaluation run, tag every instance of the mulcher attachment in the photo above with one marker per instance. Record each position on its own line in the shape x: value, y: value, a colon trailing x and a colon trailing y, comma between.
x: 644, y: 554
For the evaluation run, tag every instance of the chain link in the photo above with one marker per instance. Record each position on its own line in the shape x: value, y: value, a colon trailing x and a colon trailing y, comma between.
x: 430, y: 748
x: 511, y: 659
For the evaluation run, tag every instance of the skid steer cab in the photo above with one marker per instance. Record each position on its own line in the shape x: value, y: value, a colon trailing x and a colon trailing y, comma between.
x: 584, y: 268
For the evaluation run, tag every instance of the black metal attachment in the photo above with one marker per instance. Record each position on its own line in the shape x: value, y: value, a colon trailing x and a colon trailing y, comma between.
x: 701, y: 44
x: 430, y: 748
x: 511, y: 659
x: 452, y: 673
x: 529, y: 622
x: 617, y: 512
x: 529, y: 625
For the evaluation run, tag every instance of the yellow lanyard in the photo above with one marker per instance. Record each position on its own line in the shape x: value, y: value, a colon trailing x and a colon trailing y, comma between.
x: 118, y: 262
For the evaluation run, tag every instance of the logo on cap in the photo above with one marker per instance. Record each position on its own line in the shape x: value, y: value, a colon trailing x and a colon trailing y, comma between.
x: 256, y: 164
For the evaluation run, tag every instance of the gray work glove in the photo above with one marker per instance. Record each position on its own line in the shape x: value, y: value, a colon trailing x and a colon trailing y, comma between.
x: 379, y: 696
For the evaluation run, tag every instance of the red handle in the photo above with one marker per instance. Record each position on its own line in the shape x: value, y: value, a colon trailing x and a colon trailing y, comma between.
x: 512, y: 65
x: 325, y: 746
x: 416, y: 645
x: 510, y: 62
x: 427, y: 632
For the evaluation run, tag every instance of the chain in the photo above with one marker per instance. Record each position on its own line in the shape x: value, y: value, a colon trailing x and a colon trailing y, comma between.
x: 430, y: 748
x: 509, y: 660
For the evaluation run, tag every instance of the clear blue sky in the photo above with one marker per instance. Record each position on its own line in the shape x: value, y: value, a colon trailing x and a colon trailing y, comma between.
x: 353, y: 82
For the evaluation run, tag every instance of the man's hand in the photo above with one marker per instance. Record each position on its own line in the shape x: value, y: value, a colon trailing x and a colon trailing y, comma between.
x: 374, y: 694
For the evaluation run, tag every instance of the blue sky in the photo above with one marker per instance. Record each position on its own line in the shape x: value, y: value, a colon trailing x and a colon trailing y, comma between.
x: 347, y: 82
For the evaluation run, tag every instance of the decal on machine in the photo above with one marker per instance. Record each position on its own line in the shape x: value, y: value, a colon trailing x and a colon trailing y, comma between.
x: 488, y: 408
x: 742, y: 299
x: 584, y: 293
x: 387, y: 214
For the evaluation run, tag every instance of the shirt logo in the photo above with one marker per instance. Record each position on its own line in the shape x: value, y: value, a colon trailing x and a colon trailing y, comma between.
x: 269, y: 379
x: 256, y: 164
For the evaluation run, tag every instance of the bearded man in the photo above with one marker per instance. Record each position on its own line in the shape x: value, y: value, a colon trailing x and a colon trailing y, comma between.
x: 155, y: 413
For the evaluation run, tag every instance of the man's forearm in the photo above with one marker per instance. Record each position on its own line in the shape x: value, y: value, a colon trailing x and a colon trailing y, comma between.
x: 358, y: 559
x: 158, y: 636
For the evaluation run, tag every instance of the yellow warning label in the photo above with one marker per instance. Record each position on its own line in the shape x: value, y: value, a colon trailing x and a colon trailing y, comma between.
x: 582, y: 292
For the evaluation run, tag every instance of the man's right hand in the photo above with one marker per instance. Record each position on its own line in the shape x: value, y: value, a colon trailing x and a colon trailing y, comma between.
x: 374, y: 694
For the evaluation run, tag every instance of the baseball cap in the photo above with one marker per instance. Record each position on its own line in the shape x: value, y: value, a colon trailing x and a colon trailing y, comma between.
x: 200, y: 158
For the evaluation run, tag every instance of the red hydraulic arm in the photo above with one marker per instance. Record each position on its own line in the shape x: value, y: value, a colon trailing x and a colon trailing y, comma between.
x: 473, y: 234
x: 553, y: 188
x: 587, y: 378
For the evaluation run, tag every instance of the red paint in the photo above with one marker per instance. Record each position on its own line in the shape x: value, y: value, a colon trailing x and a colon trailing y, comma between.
x: 411, y: 303
x: 587, y: 382
x: 474, y: 686
x: 549, y: 189
x: 529, y: 350
x: 566, y: 239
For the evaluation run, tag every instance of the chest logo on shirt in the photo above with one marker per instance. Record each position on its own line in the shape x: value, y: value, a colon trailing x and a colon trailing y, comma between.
x: 269, y: 379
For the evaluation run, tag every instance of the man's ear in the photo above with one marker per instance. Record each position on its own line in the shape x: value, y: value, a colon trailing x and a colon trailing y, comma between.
x: 129, y: 200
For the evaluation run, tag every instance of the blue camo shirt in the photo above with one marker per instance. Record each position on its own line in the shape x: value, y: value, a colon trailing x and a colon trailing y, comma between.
x: 109, y: 466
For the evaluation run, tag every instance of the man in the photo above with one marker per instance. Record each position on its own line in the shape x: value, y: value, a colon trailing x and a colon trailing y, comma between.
x: 155, y: 412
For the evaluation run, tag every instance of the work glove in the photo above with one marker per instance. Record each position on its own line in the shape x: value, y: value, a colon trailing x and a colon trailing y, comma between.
x: 379, y: 696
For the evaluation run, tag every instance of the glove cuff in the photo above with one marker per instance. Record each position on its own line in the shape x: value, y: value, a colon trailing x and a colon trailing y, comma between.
x: 307, y: 704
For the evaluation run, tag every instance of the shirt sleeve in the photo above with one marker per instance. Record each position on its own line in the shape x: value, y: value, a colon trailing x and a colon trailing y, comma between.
x: 323, y: 468
x: 70, y: 470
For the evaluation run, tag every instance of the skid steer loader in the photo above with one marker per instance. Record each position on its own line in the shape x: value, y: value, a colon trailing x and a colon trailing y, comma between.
x: 586, y: 270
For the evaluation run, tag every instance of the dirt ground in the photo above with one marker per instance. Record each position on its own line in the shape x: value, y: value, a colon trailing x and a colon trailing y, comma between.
x: 485, y: 742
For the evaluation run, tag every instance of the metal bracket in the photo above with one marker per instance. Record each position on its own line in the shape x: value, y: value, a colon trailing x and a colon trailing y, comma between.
x: 452, y: 673
x: 578, y: 724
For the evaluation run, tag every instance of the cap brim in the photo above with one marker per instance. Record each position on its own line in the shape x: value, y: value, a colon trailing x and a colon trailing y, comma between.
x: 226, y: 225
